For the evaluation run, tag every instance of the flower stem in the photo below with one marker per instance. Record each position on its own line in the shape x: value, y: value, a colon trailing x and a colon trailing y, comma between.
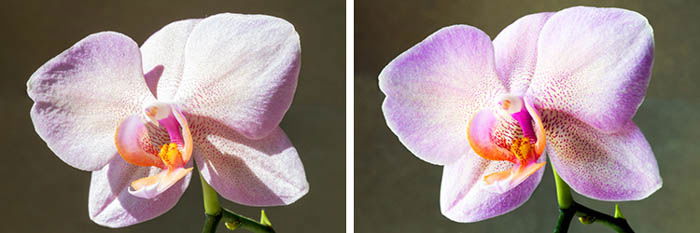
x: 211, y: 198
x: 245, y: 222
x: 564, y: 220
x: 215, y: 214
x: 564, y: 198
x: 568, y: 208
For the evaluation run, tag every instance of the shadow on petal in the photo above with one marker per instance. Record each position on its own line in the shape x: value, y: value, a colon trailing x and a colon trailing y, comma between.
x: 263, y: 172
x: 111, y: 204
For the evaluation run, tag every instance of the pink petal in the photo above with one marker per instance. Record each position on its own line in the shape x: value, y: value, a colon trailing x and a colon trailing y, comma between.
x: 166, y: 47
x: 515, y: 50
x: 611, y: 167
x: 434, y: 88
x: 111, y: 204
x: 464, y: 198
x: 594, y: 63
x: 82, y: 94
x: 241, y: 70
x: 263, y: 172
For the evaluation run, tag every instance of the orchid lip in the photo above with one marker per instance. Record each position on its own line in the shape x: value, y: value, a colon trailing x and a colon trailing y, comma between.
x: 512, y: 132
x: 140, y: 145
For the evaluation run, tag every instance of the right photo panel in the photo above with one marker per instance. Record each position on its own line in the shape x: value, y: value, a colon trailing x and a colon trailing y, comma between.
x: 512, y: 116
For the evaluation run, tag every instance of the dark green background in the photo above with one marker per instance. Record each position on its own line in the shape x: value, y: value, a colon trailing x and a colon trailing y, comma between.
x: 397, y: 192
x: 39, y: 193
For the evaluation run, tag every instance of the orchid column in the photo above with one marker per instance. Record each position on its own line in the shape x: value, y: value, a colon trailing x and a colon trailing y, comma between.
x: 211, y: 91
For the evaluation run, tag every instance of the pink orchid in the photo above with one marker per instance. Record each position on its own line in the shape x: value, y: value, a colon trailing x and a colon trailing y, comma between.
x: 216, y: 90
x: 566, y: 83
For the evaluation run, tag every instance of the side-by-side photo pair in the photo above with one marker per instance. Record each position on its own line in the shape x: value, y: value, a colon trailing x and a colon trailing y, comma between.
x: 303, y: 116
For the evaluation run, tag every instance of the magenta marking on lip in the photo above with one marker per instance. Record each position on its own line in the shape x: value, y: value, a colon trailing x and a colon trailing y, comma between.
x: 173, y: 127
x: 525, y: 120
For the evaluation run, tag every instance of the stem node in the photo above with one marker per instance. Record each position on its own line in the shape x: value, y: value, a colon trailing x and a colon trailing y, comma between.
x: 568, y: 208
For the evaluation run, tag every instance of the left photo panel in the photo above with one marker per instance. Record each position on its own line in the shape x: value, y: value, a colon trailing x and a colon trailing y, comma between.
x: 167, y: 116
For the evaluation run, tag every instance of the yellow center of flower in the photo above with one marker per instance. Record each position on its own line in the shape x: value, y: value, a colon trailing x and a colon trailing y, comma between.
x: 170, y: 155
x: 521, y: 148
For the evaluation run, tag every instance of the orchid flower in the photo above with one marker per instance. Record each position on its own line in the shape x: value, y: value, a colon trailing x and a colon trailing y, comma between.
x: 564, y: 84
x: 213, y: 90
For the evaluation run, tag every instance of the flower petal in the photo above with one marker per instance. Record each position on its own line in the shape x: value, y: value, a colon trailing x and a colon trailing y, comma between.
x: 594, y: 63
x: 166, y: 48
x: 515, y: 51
x: 111, y: 204
x: 82, y: 94
x: 463, y: 197
x: 263, y: 172
x: 241, y: 70
x: 434, y: 88
x: 611, y: 167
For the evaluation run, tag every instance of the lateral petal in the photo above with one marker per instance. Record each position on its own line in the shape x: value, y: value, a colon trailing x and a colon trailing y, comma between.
x: 241, y: 70
x: 435, y: 87
x: 594, y: 64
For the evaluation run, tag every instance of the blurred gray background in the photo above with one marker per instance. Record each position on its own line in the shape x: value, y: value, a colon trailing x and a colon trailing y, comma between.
x: 42, y: 194
x: 397, y: 192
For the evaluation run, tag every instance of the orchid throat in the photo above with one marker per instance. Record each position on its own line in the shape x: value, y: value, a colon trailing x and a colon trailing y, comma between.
x: 140, y: 140
x: 511, y: 132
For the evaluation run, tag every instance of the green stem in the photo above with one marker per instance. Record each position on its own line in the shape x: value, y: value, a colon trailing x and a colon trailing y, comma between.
x: 568, y: 207
x: 211, y: 198
x: 564, y: 198
x: 246, y: 223
x: 215, y: 214
x: 617, y: 224
x: 210, y: 223
x: 564, y: 220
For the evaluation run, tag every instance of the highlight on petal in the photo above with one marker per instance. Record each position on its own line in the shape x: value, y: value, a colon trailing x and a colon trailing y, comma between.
x: 263, y: 172
x: 515, y: 50
x: 166, y: 48
x: 479, y: 136
x: 435, y: 87
x: 111, y: 204
x: 463, y: 197
x: 83, y: 93
x: 594, y: 64
x: 610, y: 167
x: 247, y: 65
